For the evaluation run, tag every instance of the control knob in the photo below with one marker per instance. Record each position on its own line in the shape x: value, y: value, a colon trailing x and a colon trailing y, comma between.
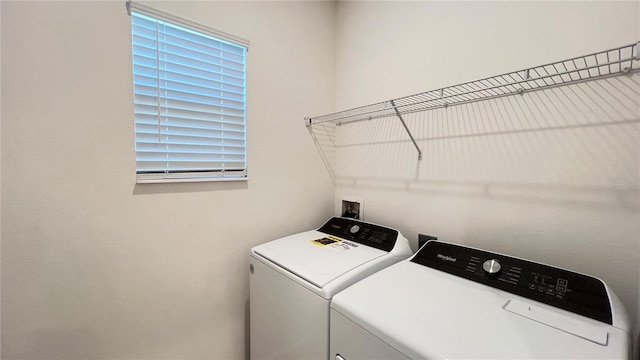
x: 492, y: 267
x: 354, y: 229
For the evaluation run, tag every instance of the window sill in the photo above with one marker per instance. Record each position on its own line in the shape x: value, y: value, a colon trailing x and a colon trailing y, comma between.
x: 149, y: 180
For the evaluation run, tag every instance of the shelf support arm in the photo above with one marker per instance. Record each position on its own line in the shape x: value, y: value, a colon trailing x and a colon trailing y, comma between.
x: 406, y: 128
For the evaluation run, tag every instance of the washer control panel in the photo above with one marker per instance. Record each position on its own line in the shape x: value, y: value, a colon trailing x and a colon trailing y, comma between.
x: 376, y: 236
x: 578, y: 293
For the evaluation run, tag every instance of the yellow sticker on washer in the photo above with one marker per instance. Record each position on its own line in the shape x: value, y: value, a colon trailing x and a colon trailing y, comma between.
x: 327, y: 240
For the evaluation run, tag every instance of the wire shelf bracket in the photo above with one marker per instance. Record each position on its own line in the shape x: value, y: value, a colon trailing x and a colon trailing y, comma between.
x: 406, y: 128
x: 607, y: 63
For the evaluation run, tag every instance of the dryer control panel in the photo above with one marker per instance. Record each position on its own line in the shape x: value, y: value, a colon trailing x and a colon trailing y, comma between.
x: 375, y: 236
x: 574, y: 292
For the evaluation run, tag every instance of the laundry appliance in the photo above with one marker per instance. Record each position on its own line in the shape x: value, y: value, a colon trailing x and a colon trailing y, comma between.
x: 454, y: 302
x: 293, y: 279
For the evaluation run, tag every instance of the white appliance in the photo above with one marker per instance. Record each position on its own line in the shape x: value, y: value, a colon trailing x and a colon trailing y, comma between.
x: 455, y: 302
x: 293, y: 279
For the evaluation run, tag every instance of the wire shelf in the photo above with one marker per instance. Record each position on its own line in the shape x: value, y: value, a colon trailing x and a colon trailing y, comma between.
x: 620, y: 60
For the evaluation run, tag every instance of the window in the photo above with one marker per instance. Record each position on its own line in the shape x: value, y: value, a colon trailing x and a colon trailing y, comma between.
x: 189, y: 100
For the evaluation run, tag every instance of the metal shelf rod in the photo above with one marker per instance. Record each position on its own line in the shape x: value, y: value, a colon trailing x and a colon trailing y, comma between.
x: 531, y: 79
x: 440, y: 103
x: 407, y: 129
x: 434, y: 107
x: 543, y: 77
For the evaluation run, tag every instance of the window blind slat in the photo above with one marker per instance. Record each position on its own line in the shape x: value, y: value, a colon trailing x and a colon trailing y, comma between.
x: 235, y: 92
x: 169, y: 61
x: 215, y: 82
x: 177, y: 105
x: 175, y: 119
x: 189, y: 102
x: 145, y: 40
x: 187, y: 109
x: 202, y: 158
x: 148, y: 115
x: 193, y: 138
x: 197, y: 50
x: 187, y: 166
x: 185, y: 138
x: 206, y: 124
x: 192, y: 96
x: 146, y: 61
x: 182, y: 36
x: 187, y: 148
x: 179, y: 54
x: 146, y: 102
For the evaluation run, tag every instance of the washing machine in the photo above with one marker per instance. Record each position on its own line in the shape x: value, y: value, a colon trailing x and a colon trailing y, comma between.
x: 293, y: 279
x: 454, y: 302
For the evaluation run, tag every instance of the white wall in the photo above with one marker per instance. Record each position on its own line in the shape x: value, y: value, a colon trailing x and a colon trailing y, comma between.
x: 551, y: 176
x: 95, y: 266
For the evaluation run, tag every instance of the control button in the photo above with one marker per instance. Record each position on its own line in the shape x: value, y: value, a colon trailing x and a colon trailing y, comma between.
x: 532, y: 286
x: 563, y: 282
x: 541, y: 289
x: 492, y: 267
x: 354, y: 229
x: 561, y: 288
x: 550, y: 292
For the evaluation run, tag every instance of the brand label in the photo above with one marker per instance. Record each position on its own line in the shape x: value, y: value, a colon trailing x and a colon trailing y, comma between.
x: 446, y: 258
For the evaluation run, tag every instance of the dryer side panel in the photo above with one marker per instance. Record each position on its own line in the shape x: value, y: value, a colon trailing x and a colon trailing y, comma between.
x: 348, y: 341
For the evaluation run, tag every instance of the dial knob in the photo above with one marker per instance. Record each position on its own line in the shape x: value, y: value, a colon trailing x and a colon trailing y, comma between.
x: 354, y: 229
x: 492, y: 267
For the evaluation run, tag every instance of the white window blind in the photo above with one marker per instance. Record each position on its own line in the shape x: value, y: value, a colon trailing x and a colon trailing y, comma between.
x: 190, y: 103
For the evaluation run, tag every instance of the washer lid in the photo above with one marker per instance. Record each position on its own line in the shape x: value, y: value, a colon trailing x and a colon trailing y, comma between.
x: 427, y: 314
x: 316, y: 257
